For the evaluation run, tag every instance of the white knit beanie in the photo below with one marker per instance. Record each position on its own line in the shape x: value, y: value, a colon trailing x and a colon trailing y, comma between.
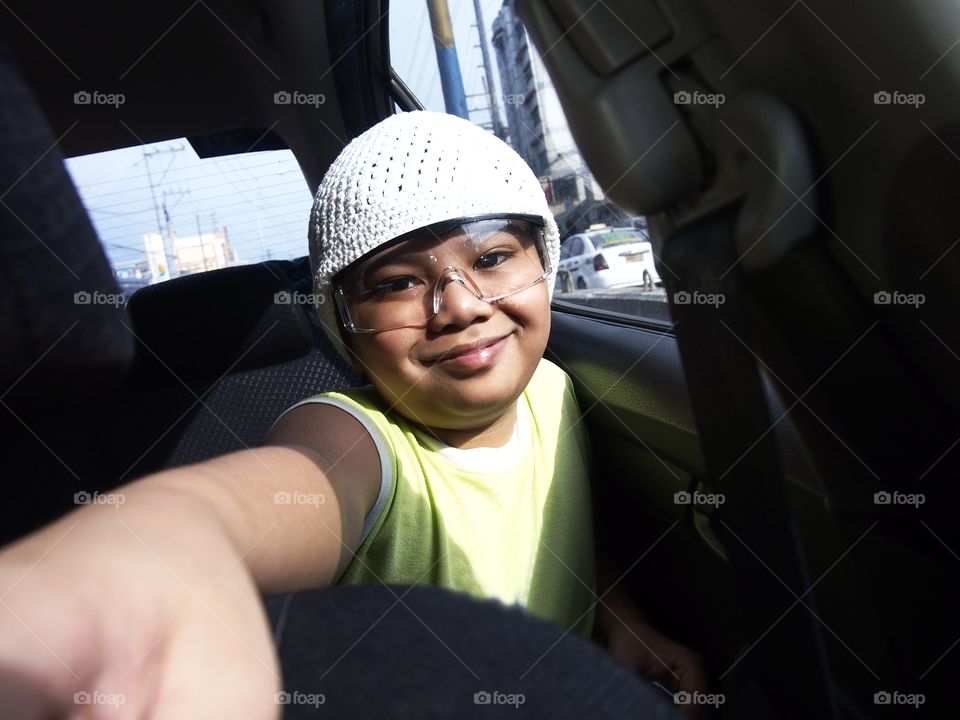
x: 407, y: 171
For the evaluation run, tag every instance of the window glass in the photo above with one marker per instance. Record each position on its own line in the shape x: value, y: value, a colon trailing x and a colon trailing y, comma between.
x: 161, y: 211
x: 617, y: 237
x: 509, y: 93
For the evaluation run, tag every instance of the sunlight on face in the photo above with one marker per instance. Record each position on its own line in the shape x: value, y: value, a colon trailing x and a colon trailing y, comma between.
x: 466, y: 366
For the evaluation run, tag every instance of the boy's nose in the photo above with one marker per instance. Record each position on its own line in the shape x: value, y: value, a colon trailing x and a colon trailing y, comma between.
x: 459, y: 304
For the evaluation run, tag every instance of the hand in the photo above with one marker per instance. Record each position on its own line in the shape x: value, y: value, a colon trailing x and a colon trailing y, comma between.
x: 127, y: 616
x: 657, y: 657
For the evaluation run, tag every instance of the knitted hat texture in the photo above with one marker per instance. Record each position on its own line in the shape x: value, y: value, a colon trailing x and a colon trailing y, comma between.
x: 407, y: 171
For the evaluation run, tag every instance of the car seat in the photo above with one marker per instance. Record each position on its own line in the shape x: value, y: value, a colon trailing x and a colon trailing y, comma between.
x: 95, y: 394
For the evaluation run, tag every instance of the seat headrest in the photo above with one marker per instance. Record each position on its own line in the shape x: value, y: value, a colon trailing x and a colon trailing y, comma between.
x: 240, y: 318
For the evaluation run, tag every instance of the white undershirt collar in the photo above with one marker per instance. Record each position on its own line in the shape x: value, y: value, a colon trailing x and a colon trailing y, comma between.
x: 488, y: 459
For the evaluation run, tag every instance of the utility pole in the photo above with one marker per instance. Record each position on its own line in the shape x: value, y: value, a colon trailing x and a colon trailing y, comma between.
x: 203, y: 249
x: 450, y: 80
x: 163, y: 228
x: 488, y: 71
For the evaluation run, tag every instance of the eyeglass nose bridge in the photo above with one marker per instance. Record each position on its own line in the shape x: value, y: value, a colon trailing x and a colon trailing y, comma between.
x: 451, y: 274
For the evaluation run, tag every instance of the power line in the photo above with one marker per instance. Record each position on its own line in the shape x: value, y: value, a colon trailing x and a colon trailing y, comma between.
x: 416, y: 42
x: 189, y: 182
x: 433, y: 84
x: 208, y: 201
x: 425, y: 65
x: 423, y: 62
x: 93, y: 199
x: 287, y: 238
x: 107, y: 243
x: 112, y: 230
x: 270, y: 218
x: 202, y: 161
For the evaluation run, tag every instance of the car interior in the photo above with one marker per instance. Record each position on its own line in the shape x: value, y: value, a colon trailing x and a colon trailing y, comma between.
x: 809, y: 388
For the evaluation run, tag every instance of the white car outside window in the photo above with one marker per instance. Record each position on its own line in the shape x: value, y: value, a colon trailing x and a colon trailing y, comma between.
x: 606, y: 258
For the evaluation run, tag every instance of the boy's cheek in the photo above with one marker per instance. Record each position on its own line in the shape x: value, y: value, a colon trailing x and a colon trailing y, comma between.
x: 368, y: 353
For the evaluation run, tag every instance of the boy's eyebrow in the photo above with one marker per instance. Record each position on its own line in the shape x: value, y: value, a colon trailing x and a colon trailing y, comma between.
x: 388, y: 258
x: 422, y: 246
x: 398, y: 256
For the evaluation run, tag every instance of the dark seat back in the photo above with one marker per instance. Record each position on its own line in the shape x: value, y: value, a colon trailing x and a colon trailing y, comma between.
x: 59, y: 355
x: 219, y: 356
x: 93, y: 393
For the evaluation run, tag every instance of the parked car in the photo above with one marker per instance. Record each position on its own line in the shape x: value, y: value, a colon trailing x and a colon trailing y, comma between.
x: 606, y: 257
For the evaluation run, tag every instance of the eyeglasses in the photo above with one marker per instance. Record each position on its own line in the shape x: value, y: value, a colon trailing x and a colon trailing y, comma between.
x: 402, y: 285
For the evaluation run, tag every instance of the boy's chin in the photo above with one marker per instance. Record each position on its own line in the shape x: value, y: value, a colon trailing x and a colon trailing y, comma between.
x: 497, y: 385
x: 461, y: 408
x: 482, y: 399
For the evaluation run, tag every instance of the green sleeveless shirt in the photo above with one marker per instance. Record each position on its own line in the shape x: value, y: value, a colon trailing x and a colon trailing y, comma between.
x: 512, y: 523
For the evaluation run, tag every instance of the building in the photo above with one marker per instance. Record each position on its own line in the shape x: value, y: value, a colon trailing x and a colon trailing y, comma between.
x: 157, y: 260
x: 537, y: 127
x: 207, y: 251
x: 133, y: 270
x: 191, y: 254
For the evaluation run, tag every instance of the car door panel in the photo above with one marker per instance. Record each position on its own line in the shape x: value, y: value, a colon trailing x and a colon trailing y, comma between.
x: 630, y: 383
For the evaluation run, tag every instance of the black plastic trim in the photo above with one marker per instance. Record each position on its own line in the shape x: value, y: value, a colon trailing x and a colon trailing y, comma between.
x: 612, y: 316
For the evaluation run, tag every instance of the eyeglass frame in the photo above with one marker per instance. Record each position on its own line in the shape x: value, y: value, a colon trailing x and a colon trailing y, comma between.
x: 436, y: 230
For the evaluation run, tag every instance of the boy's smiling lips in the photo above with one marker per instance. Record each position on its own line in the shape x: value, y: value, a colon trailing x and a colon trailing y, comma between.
x: 471, y: 355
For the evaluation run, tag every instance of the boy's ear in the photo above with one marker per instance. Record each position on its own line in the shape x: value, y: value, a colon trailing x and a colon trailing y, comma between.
x: 347, y: 339
x: 357, y: 367
x: 355, y: 363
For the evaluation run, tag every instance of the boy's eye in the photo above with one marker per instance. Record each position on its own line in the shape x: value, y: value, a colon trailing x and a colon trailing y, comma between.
x: 491, y: 260
x: 383, y: 288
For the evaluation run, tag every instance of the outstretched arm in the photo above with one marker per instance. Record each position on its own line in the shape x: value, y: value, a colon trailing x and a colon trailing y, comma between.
x: 151, y: 601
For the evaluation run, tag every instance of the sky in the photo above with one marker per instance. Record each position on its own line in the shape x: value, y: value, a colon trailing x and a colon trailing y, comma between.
x: 261, y: 198
x: 414, y: 56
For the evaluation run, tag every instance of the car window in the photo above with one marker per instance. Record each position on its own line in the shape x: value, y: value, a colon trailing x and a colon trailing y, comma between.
x: 507, y: 91
x: 161, y: 211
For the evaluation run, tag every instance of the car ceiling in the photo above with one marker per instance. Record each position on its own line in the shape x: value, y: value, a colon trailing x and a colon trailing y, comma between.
x: 195, y: 68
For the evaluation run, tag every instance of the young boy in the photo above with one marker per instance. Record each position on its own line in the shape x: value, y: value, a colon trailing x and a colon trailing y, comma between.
x: 463, y: 466
x: 432, y: 248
